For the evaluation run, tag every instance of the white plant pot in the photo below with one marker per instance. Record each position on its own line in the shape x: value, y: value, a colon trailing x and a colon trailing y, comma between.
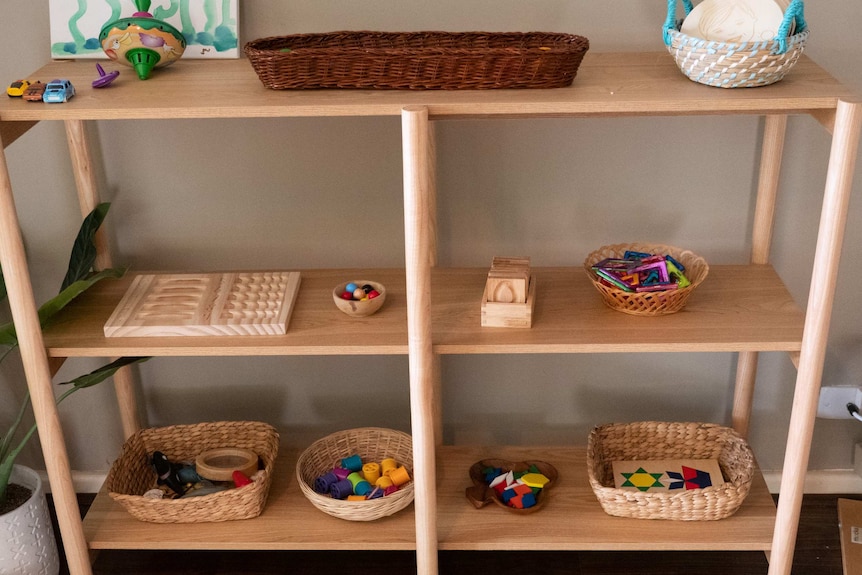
x: 27, y: 545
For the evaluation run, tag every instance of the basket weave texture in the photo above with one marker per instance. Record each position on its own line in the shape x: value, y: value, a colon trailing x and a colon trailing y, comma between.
x: 371, y: 444
x: 667, y: 440
x: 737, y: 64
x: 647, y: 303
x: 417, y: 60
x: 132, y: 474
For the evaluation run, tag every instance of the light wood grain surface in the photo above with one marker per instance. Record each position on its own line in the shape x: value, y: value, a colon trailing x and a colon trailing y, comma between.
x: 571, y: 520
x: 737, y: 308
x: 606, y: 84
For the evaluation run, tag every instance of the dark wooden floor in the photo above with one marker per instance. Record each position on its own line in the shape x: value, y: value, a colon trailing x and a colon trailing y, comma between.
x: 818, y: 552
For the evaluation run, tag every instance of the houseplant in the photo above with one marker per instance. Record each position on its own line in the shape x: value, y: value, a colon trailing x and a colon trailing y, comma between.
x: 20, y: 488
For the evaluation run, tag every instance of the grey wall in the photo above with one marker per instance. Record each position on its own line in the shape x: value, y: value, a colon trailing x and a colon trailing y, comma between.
x: 327, y: 193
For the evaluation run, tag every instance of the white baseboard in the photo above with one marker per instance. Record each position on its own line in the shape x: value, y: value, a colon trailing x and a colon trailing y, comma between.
x: 84, y: 481
x: 824, y: 481
x: 821, y: 481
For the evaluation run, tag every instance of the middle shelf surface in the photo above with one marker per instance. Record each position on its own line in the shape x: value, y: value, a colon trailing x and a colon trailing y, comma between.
x: 571, y: 520
x: 737, y: 308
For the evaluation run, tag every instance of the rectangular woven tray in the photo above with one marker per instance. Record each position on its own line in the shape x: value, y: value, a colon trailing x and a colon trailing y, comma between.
x: 417, y: 60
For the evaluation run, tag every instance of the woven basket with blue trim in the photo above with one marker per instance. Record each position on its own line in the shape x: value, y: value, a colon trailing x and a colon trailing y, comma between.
x: 740, y: 64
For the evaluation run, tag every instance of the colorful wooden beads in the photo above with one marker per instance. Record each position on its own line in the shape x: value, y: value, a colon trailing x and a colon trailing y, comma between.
x: 357, y: 293
x: 355, y: 480
x: 642, y: 272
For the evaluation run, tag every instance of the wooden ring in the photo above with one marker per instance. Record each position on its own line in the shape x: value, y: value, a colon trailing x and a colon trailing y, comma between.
x: 219, y: 464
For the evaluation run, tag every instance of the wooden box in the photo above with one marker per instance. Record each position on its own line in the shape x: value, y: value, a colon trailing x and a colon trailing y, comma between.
x: 497, y: 314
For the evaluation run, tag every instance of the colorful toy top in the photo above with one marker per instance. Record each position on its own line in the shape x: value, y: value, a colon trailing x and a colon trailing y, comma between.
x: 141, y: 41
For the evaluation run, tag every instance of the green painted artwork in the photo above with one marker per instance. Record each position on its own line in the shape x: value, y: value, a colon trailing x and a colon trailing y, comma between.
x: 210, y: 27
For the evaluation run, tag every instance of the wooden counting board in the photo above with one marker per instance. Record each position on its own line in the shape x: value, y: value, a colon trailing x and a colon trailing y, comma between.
x: 253, y: 303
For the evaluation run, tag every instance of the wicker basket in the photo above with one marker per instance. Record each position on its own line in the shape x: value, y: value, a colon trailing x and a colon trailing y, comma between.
x: 659, y: 440
x: 737, y: 65
x: 132, y: 475
x: 417, y: 60
x: 371, y: 444
x: 647, y: 303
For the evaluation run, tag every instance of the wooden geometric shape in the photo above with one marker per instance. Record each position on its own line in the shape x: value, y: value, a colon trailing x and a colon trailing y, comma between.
x: 241, y: 303
x: 495, y: 314
x: 507, y: 290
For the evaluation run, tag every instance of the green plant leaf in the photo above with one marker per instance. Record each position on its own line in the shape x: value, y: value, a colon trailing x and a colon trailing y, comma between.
x: 101, y: 374
x: 84, y: 249
x: 51, y: 307
x: 2, y: 286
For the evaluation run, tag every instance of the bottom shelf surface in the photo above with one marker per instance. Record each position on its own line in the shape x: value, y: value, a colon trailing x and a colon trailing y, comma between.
x: 572, y: 519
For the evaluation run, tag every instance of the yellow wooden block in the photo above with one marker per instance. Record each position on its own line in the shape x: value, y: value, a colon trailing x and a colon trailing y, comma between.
x: 534, y: 480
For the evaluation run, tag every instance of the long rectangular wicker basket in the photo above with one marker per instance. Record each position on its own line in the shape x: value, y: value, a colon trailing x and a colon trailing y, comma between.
x: 658, y: 440
x: 132, y: 475
x: 417, y: 60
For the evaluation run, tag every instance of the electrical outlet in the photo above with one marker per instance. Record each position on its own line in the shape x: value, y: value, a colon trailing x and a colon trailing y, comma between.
x: 833, y: 402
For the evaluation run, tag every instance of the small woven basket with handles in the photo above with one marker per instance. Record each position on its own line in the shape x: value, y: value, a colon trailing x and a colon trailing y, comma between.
x: 132, y: 474
x: 647, y: 303
x: 371, y: 444
x: 740, y: 64
x: 659, y: 440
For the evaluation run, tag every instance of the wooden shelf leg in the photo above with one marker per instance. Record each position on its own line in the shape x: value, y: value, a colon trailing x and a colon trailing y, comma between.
x: 772, y: 149
x: 845, y: 144
x: 418, y: 232
x: 125, y: 382
x: 38, y: 374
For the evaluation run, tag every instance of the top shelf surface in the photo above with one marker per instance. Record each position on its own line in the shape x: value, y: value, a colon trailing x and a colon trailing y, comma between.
x: 607, y: 84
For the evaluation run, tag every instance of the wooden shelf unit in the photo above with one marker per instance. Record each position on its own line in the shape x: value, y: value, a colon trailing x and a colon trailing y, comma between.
x: 720, y: 318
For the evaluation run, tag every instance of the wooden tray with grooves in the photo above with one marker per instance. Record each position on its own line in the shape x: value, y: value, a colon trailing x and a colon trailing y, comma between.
x: 246, y: 303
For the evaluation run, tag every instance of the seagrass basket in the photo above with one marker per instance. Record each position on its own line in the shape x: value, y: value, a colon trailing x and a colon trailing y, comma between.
x: 740, y: 64
x: 131, y: 475
x: 371, y: 444
x: 417, y: 60
x: 668, y: 440
x: 647, y: 303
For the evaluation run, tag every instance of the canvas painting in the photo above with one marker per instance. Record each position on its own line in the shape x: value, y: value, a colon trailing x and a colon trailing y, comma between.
x: 210, y: 27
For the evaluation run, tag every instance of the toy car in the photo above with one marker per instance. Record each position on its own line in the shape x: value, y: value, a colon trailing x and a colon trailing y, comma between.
x: 58, y: 91
x: 16, y: 89
x: 34, y: 92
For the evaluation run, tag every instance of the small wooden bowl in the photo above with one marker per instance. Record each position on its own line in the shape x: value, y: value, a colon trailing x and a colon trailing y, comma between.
x: 480, y: 494
x: 357, y: 308
x: 220, y: 463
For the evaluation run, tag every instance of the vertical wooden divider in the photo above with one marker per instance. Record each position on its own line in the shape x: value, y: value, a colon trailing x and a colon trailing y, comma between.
x: 38, y: 373
x: 772, y: 150
x: 418, y: 231
x: 836, y: 199
x: 125, y: 382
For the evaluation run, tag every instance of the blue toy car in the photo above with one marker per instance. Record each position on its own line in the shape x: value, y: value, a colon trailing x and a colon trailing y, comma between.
x: 58, y: 91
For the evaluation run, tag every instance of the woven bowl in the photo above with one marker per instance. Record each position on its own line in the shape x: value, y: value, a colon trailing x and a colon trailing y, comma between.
x: 371, y: 444
x: 359, y: 308
x: 669, y: 440
x: 737, y: 64
x: 132, y: 475
x: 647, y: 303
